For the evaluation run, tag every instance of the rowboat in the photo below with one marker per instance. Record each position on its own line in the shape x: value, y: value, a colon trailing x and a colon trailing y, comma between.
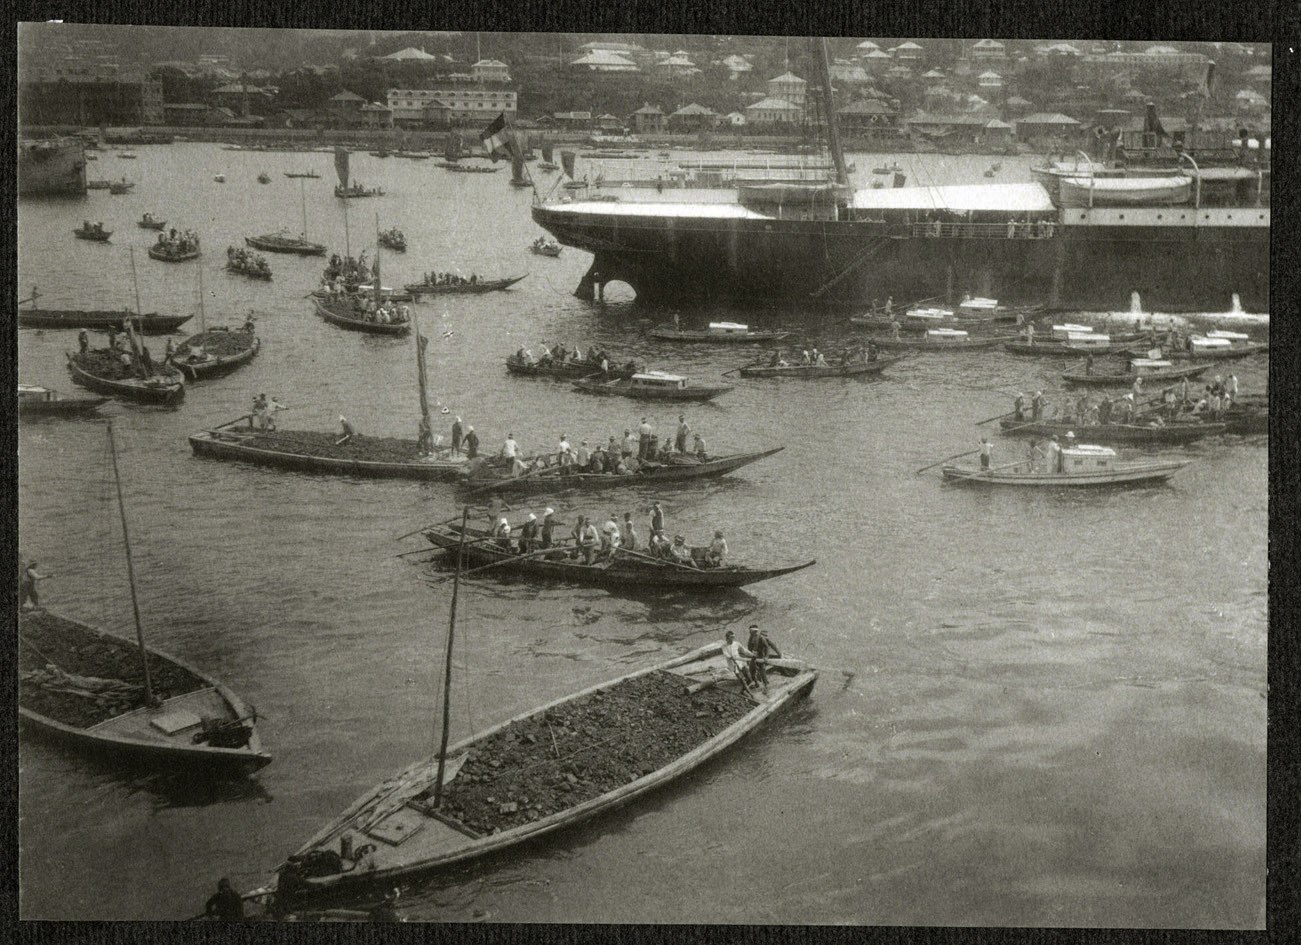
x: 937, y: 339
x: 356, y: 191
x: 544, y: 247
x: 563, y: 370
x: 92, y: 234
x: 467, y: 168
x: 651, y: 385
x: 990, y: 310
x: 539, y: 772
x: 118, y: 188
x: 151, y: 323
x: 36, y: 401
x: 550, y: 479
x: 625, y: 568
x: 197, y: 722
x: 160, y: 388
x: 310, y: 175
x: 718, y: 332
x: 464, y: 288
x: 1081, y: 466
x: 264, y: 178
x: 216, y: 351
x: 1145, y: 368
x: 149, y: 223
x: 344, y: 313
x: 101, y: 692
x: 251, y: 270
x: 1216, y: 349
x: 393, y: 239
x: 1116, y: 345
x: 165, y: 253
x: 317, y: 452
x: 279, y: 243
x: 833, y: 369
x: 1170, y: 434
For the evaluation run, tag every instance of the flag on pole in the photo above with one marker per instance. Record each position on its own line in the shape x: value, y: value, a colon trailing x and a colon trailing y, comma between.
x: 495, y: 136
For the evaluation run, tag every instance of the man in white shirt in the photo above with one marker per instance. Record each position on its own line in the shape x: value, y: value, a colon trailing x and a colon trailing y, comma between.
x: 736, y: 656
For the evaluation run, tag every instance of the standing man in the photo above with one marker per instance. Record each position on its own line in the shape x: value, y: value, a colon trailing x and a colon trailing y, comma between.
x: 683, y: 432
x: 528, y: 536
x: 629, y: 533
x: 1018, y: 408
x: 985, y: 452
x: 1137, y: 390
x: 345, y: 428
x: 548, y: 526
x: 763, y: 649
x: 29, y: 594
x: 1037, y: 406
x: 629, y: 444
x: 471, y: 442
x: 1054, y: 456
x: 643, y: 439
x: 734, y: 653
x: 225, y: 905
x: 83, y: 339
x: 457, y: 433
x: 657, y: 518
x: 1231, y: 390
x: 588, y: 539
x: 510, y: 449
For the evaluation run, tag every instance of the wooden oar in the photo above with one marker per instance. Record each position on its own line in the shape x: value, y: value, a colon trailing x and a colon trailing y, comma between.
x: 981, y: 423
x: 985, y: 472
x: 945, y: 460
x: 559, y: 546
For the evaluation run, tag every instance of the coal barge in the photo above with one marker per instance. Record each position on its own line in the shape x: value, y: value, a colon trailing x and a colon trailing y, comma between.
x: 1073, y: 239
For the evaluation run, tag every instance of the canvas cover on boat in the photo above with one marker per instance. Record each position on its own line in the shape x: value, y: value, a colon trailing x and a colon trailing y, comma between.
x: 958, y: 198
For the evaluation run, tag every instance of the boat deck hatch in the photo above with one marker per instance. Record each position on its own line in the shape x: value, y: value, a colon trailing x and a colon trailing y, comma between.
x: 403, y: 823
x: 175, y: 720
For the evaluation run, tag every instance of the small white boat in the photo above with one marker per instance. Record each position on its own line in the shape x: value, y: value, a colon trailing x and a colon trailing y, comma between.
x: 220, y: 178
x: 1124, y: 191
x: 1082, y: 465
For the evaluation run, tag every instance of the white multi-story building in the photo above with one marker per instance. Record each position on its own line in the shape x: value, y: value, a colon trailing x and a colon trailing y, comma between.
x: 490, y: 70
x: 461, y: 103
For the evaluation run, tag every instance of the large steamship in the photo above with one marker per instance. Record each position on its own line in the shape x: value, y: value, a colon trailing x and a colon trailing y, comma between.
x: 1183, y: 223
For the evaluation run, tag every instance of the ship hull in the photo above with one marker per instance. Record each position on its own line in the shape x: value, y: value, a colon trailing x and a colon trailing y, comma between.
x: 55, y: 168
x: 1086, y: 264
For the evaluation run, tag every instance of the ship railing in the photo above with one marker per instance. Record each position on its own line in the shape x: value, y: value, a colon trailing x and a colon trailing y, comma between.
x: 1012, y: 230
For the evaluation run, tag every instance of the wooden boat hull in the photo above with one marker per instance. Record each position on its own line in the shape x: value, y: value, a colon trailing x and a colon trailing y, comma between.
x: 356, y: 324
x: 166, y: 394
x: 1119, y: 345
x: 355, y: 194
x: 264, y: 275
x: 222, y: 364
x: 307, y: 176
x: 944, y: 347
x: 70, y: 407
x: 624, y: 388
x: 656, y: 474
x: 624, y: 570
x: 1229, y: 354
x: 496, y: 285
x: 853, y: 369
x: 1106, y: 434
x: 150, y: 324
x: 1124, y: 474
x: 245, y: 447
x: 162, y: 256
x: 668, y: 334
x: 1125, y: 380
x: 552, y: 251
x: 156, y: 225
x: 294, y: 247
x: 134, y: 736
x: 93, y: 236
x: 436, y: 841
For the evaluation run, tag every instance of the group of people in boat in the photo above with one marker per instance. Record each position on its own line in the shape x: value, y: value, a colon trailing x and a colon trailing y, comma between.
x: 598, y: 360
x: 748, y: 662
x: 347, y: 271
x: 244, y: 260
x: 386, y: 312
x: 138, y: 362
x: 1213, y: 402
x: 88, y: 227
x: 263, y: 416
x: 176, y: 242
x: 543, y: 242
x: 812, y: 357
x: 593, y: 543
x: 618, y: 456
x: 393, y: 237
x: 451, y: 278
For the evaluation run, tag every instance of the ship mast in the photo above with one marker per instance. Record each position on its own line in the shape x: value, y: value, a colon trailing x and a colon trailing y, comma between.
x: 131, y: 575
x: 447, y: 668
x: 820, y: 63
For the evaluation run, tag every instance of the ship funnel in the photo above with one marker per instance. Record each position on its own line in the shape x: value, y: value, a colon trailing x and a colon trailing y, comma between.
x: 1135, y: 304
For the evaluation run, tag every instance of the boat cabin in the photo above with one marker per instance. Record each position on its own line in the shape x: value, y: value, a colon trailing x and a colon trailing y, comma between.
x: 658, y: 380
x: 1230, y: 336
x: 1087, y: 339
x: 1083, y: 458
x: 930, y: 314
x: 1064, y: 332
x: 728, y: 328
x: 978, y: 305
x: 946, y: 336
x: 30, y: 394
x: 1204, y: 344
x: 1149, y: 365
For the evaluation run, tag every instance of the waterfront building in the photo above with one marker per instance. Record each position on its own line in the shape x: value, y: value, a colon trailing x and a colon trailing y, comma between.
x: 453, y: 103
x: 693, y: 117
x: 601, y: 60
x: 490, y: 70
x: 789, y: 88
x: 1044, y: 129
x: 649, y: 119
x: 773, y: 111
x: 870, y: 116
x: 93, y: 97
x: 375, y: 115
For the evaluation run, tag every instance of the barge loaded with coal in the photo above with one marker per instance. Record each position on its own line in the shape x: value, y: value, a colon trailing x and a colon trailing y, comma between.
x: 1071, y: 239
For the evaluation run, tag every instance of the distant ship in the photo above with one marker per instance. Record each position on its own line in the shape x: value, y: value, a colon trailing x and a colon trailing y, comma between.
x: 1184, y: 236
x: 52, y: 166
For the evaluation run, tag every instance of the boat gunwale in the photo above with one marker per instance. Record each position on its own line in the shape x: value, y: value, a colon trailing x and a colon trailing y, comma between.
x: 234, y: 443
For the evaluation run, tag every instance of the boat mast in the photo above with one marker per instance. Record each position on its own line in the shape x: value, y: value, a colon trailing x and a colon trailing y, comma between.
x: 833, y: 136
x: 203, y: 325
x: 302, y: 190
x: 130, y: 572
x: 447, y: 673
x: 347, y: 241
x: 378, y: 287
x: 421, y: 374
x: 134, y: 281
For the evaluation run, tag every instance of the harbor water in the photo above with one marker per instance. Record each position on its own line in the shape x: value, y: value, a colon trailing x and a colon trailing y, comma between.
x: 1033, y: 709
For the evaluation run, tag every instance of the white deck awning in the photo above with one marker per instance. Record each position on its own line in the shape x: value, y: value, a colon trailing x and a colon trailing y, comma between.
x: 1009, y: 198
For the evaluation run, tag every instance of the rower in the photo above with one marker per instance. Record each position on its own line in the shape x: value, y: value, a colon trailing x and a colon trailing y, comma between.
x: 456, y: 435
x: 528, y: 536
x: 1018, y: 407
x: 502, y: 534
x: 717, y: 550
x: 629, y: 533
x: 680, y: 553
x: 548, y: 526
x: 734, y: 653
x: 344, y: 426
x: 763, y: 649
x: 610, y: 537
x: 1037, y: 406
x: 698, y: 447
x: 471, y: 443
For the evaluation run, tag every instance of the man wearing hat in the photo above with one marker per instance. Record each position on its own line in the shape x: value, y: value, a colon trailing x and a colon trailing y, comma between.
x: 471, y: 442
x: 680, y: 553
x: 657, y: 518
x: 683, y: 432
x: 762, y: 648
x: 734, y: 653
x: 643, y: 438
x: 346, y: 429
x: 457, y: 432
x: 502, y: 533
x: 548, y: 525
